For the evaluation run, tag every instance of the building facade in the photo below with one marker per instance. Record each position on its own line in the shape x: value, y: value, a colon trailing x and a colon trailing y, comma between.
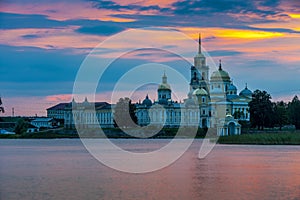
x: 57, y: 111
x: 89, y: 114
x: 212, y: 102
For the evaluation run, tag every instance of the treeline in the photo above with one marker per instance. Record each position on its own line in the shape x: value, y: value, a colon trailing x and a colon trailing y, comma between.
x: 265, y: 113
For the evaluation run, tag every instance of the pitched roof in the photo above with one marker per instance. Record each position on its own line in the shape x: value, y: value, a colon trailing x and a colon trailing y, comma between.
x: 59, y: 106
x: 42, y: 119
x: 98, y: 105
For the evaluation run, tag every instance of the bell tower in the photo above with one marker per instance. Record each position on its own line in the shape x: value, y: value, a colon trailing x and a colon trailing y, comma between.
x: 164, y: 91
x: 199, y: 72
x: 200, y: 62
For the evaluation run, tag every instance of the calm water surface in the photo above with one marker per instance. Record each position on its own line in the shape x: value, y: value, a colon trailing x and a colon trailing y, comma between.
x: 63, y: 169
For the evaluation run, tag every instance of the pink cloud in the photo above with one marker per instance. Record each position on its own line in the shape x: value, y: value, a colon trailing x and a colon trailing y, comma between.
x: 68, y: 10
x: 59, y: 98
x: 57, y: 38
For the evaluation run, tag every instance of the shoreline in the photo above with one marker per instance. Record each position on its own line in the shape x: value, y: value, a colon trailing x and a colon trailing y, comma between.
x: 260, y: 138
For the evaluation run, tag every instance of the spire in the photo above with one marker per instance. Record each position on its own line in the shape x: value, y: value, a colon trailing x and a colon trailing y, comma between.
x: 246, y: 86
x: 85, y: 99
x: 199, y: 43
x: 164, y: 78
x: 73, y: 103
x: 220, y: 65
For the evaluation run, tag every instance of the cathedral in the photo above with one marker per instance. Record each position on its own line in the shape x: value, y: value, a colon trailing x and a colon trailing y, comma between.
x: 212, y: 102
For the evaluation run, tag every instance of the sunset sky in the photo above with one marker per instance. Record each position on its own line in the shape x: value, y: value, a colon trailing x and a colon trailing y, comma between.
x: 43, y: 43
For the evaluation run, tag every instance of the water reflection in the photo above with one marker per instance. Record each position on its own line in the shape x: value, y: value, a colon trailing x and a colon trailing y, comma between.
x: 63, y: 169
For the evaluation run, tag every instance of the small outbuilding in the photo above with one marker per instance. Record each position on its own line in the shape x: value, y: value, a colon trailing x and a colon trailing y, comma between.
x: 228, y: 126
x: 43, y: 122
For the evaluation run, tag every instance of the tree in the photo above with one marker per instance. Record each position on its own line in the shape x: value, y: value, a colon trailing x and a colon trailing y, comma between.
x: 261, y: 109
x: 281, y: 114
x: 124, y: 113
x: 294, y: 112
x: 21, y: 126
x: 1, y: 107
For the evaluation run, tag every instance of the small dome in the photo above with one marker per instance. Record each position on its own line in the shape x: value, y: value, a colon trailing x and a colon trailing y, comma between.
x: 200, y: 92
x: 229, y: 115
x: 164, y: 86
x: 147, y: 101
x: 232, y: 87
x: 246, y: 92
x: 220, y: 75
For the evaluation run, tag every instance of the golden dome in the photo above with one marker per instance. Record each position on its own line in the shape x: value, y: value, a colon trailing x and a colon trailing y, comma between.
x: 164, y: 86
x: 200, y: 92
x: 220, y: 75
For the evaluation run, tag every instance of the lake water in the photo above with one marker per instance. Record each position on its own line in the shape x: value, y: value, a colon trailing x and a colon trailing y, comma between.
x: 63, y: 169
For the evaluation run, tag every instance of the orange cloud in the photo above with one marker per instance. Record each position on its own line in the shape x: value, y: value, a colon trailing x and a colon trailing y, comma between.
x: 295, y: 16
x: 282, y: 48
x: 230, y: 33
x: 246, y: 34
